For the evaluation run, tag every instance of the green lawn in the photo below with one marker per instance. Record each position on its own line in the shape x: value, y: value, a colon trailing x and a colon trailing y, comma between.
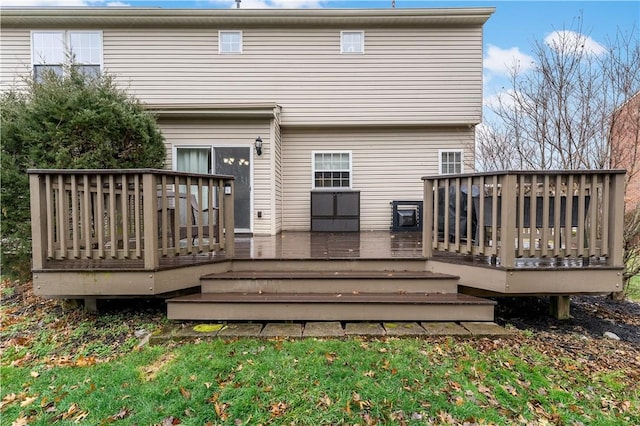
x: 322, y: 382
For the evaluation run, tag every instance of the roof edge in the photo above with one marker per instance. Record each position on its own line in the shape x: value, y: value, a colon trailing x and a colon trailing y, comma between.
x: 151, y: 17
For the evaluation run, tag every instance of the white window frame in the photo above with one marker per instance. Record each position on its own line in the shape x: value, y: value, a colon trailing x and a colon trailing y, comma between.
x: 313, y: 170
x: 67, y: 48
x: 224, y: 52
x: 450, y: 151
x: 342, y: 41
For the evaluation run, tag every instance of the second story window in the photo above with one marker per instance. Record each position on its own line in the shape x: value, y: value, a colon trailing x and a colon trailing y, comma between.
x: 450, y: 161
x: 352, y: 42
x: 50, y: 50
x: 230, y: 42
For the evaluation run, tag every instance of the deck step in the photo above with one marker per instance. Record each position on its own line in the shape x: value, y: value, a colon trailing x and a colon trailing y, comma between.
x: 309, y: 282
x: 330, y: 307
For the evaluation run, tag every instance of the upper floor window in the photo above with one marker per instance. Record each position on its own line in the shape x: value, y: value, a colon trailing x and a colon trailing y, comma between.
x: 352, y: 42
x: 230, y: 42
x: 450, y: 161
x: 50, y: 50
x: 331, y: 169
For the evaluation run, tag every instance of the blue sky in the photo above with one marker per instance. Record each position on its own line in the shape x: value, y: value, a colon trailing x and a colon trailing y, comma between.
x: 508, y: 34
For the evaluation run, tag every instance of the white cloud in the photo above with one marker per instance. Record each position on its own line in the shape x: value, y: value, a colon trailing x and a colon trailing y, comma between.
x: 117, y: 4
x: 505, y: 98
x: 571, y: 40
x: 505, y: 61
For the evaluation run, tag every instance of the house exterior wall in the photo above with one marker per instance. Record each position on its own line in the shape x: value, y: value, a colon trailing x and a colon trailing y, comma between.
x: 415, y: 90
x: 231, y: 133
x: 625, y: 148
x: 387, y: 165
x: 426, y: 73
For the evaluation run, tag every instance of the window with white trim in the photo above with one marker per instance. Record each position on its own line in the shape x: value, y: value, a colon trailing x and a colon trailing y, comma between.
x: 331, y: 170
x: 352, y: 42
x: 450, y: 161
x: 230, y: 42
x: 50, y: 50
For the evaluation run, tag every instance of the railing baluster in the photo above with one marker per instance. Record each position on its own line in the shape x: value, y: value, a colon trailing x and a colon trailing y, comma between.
x: 200, y: 219
x: 113, y: 218
x: 213, y: 237
x: 481, y: 217
x: 556, y: 215
x: 137, y: 211
x: 593, y: 219
x: 456, y: 215
x: 581, y: 215
x: 494, y: 217
x: 63, y: 215
x: 533, y: 219
x: 99, y: 217
x: 221, y: 216
x: 189, y: 216
x: 568, y: 224
x: 51, y: 220
x: 86, y: 216
x: 427, y: 229
x: 75, y: 230
x: 436, y: 202
x: 521, y: 189
x: 606, y: 194
x: 469, y: 214
x: 125, y: 216
x: 447, y: 238
x: 165, y: 217
x: 176, y: 215
x: 544, y: 244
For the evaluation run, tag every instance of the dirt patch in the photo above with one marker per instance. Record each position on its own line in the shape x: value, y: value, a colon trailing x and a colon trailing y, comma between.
x: 591, y: 316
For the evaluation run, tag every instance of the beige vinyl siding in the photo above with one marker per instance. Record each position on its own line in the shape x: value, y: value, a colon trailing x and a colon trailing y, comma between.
x: 387, y: 165
x: 407, y: 76
x: 276, y: 164
x: 230, y: 133
x: 15, y: 57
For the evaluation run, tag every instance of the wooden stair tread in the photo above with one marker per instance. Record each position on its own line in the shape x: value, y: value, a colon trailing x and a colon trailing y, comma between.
x: 372, y: 275
x: 372, y: 298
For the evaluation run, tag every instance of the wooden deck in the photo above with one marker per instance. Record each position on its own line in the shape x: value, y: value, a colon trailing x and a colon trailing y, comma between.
x: 323, y: 245
x: 119, y: 233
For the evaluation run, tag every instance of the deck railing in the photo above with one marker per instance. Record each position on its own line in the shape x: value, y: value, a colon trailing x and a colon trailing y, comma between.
x: 135, y: 215
x: 564, y: 218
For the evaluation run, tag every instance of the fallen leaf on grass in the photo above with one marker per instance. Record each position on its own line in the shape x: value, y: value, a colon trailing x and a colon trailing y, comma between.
x: 325, y: 402
x: 170, y: 421
x: 331, y: 357
x: 278, y: 409
x: 120, y: 415
x: 28, y: 401
x: 21, y: 421
x: 185, y: 393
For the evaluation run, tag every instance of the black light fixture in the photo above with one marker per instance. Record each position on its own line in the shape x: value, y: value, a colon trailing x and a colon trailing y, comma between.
x: 259, y: 145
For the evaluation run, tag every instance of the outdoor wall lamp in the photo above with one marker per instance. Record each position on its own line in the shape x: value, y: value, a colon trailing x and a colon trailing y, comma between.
x: 259, y: 145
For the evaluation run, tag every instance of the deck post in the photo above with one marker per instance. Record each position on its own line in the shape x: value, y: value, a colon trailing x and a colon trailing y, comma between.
x: 560, y: 307
x: 229, y: 223
x: 38, y: 220
x: 427, y: 219
x: 150, y: 212
x: 616, y: 220
x: 508, y: 223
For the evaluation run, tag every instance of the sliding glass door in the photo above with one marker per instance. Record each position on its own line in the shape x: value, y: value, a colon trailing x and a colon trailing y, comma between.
x: 221, y: 160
